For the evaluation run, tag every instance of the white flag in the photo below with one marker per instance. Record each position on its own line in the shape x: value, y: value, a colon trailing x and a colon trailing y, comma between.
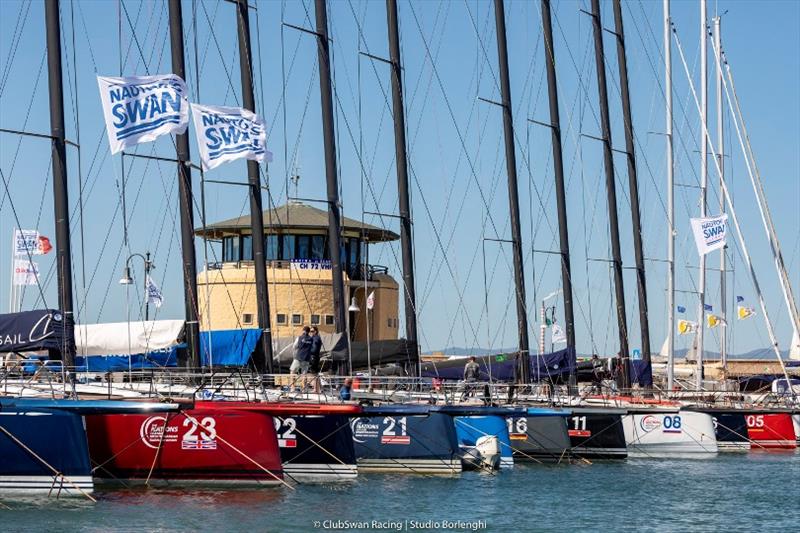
x: 140, y: 109
x: 26, y: 241
x: 228, y: 133
x: 558, y: 335
x: 25, y: 272
x: 371, y: 300
x: 154, y: 293
x: 710, y: 233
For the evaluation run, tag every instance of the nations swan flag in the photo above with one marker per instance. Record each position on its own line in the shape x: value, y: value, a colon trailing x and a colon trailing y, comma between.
x: 710, y: 233
x: 140, y: 109
x: 228, y: 133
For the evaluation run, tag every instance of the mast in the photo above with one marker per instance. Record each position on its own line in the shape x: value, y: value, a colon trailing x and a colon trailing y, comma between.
x: 262, y: 357
x: 703, y: 186
x: 558, y: 167
x: 723, y: 343
x: 402, y: 175
x: 633, y: 182
x: 60, y: 185
x: 331, y: 178
x: 185, y: 197
x: 670, y: 201
x: 513, y: 198
x: 623, y: 378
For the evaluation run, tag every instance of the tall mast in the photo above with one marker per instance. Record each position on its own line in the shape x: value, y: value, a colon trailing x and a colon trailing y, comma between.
x: 623, y: 378
x: 558, y: 167
x: 263, y: 357
x: 633, y: 182
x: 513, y: 198
x: 723, y: 302
x: 331, y: 178
x: 703, y: 185
x: 670, y: 200
x: 60, y: 185
x: 185, y: 197
x: 402, y: 175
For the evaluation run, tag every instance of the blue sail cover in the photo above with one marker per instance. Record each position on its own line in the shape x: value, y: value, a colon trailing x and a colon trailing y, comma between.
x: 641, y: 372
x: 228, y: 347
x: 551, y: 366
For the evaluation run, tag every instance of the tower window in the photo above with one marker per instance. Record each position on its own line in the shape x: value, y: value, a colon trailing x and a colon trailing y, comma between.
x: 280, y: 318
x: 247, y: 318
x: 329, y: 320
x: 315, y: 320
x: 297, y: 319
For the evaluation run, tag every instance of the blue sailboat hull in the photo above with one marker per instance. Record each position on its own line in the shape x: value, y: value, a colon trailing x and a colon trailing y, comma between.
x: 406, y: 441
x: 35, y: 442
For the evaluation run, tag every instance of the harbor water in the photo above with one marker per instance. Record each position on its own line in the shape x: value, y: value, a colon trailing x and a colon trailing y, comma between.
x: 731, y: 492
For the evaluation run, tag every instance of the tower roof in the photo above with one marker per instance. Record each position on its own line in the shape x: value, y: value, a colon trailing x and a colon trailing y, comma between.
x: 295, y: 216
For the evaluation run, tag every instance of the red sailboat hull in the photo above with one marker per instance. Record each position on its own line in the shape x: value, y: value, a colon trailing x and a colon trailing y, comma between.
x: 770, y: 430
x: 213, y: 443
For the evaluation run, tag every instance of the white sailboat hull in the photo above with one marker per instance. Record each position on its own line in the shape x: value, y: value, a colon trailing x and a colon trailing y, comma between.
x: 669, y: 433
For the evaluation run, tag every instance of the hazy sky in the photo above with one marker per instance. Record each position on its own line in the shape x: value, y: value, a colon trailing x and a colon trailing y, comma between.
x: 456, y: 152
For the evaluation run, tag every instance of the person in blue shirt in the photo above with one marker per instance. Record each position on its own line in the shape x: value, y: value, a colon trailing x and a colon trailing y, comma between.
x: 345, y: 392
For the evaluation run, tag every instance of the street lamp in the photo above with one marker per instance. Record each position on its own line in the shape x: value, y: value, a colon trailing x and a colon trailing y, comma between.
x: 127, y: 278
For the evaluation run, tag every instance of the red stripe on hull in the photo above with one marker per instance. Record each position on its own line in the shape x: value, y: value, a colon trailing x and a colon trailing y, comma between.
x: 205, y: 443
x: 771, y: 430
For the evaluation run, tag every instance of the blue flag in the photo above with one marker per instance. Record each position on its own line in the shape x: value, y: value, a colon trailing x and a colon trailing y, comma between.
x: 708, y: 307
x: 681, y: 309
x: 739, y: 299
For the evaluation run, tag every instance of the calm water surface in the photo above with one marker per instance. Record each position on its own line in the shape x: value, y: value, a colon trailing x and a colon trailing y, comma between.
x: 733, y: 492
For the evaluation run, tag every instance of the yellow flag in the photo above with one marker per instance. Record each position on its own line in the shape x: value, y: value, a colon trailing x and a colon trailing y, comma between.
x: 685, y: 327
x: 714, y: 321
x: 745, y: 312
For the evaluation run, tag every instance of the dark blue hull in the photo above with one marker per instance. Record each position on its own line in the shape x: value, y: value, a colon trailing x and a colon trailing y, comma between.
x: 399, y: 442
x: 31, y: 439
x: 317, y: 447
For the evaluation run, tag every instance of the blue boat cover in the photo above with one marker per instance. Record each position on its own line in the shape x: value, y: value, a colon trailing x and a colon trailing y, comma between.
x: 641, y: 372
x: 228, y: 347
x: 555, y: 365
x: 167, y: 357
x: 42, y: 329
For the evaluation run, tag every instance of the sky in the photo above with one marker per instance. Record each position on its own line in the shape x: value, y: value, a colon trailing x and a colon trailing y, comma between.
x: 456, y: 153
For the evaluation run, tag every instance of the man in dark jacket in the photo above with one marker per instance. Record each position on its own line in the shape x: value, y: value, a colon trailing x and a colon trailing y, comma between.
x: 302, y: 353
x: 316, y: 348
x: 472, y: 372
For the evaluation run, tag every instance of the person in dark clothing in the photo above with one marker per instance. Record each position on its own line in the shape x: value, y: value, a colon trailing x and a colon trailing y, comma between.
x: 302, y: 353
x: 472, y: 372
x: 597, y: 374
x: 316, y: 348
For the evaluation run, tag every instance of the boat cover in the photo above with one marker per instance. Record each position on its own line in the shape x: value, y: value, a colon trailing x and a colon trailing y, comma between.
x: 28, y: 331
